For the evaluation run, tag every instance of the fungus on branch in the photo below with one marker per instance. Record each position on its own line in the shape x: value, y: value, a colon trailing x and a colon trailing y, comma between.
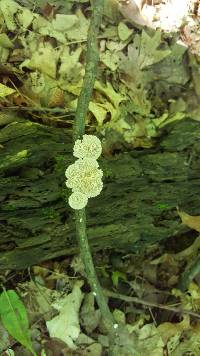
x: 84, y: 176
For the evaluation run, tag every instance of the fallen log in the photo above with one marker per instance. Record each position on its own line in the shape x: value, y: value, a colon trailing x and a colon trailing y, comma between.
x: 136, y: 209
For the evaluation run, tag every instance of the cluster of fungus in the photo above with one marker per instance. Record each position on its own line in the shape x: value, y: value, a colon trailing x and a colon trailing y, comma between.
x: 84, y: 176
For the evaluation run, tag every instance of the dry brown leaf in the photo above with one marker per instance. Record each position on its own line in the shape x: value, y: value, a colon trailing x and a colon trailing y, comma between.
x: 57, y: 98
x: 132, y: 12
x: 168, y: 330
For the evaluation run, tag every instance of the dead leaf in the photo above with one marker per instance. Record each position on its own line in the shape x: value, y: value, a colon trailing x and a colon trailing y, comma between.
x: 167, y: 329
x: 192, y: 221
x: 132, y: 12
x: 89, y: 315
x: 57, y: 98
x: 65, y: 326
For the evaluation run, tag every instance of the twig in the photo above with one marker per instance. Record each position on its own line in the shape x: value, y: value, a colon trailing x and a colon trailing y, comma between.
x: 148, y: 304
x: 39, y: 109
x: 92, y: 58
x: 90, y: 270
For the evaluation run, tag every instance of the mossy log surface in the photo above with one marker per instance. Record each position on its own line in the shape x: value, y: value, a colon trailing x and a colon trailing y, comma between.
x: 136, y: 209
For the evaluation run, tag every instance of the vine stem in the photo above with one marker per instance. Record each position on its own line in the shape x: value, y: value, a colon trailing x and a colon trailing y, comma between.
x: 92, y: 59
x: 86, y: 257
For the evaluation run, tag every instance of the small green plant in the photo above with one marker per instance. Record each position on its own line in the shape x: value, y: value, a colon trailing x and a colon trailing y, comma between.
x: 116, y: 275
x: 14, y: 318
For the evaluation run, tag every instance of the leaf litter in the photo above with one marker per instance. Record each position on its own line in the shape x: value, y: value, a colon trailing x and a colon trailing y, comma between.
x: 137, y: 64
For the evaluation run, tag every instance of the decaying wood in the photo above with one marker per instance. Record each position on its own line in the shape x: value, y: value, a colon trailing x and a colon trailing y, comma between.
x: 136, y: 209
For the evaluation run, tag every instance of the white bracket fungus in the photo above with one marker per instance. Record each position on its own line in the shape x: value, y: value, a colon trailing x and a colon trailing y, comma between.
x: 88, y: 147
x: 84, y: 176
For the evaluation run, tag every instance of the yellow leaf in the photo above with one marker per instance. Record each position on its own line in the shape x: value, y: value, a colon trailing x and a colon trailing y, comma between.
x: 4, y: 90
x: 192, y: 221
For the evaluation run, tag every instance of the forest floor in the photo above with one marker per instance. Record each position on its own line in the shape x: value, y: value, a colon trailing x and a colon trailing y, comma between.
x: 148, y: 78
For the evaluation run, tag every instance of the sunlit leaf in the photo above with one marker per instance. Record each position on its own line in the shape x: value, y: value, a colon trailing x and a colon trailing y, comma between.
x: 14, y: 318
x: 4, y: 90
x: 192, y: 221
x: 116, y: 275
x: 123, y: 31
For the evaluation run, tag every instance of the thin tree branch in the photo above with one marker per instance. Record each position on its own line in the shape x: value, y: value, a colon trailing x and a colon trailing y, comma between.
x: 90, y: 270
x: 92, y: 58
x: 149, y: 304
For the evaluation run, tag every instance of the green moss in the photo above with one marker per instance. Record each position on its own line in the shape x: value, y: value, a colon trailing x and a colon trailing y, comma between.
x: 162, y: 206
x: 50, y: 213
x: 107, y: 171
x: 22, y: 154
x: 61, y: 163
